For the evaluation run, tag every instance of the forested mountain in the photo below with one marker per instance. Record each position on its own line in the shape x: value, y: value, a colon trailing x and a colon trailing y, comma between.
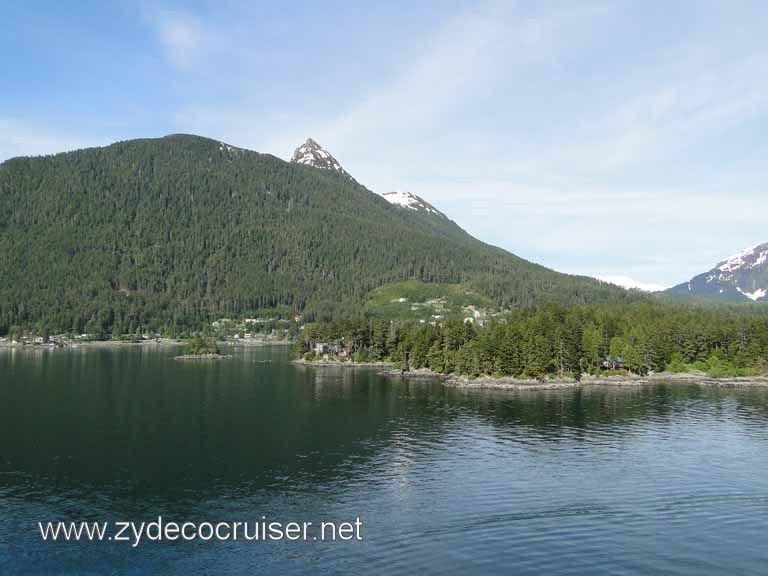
x: 740, y: 278
x: 169, y: 233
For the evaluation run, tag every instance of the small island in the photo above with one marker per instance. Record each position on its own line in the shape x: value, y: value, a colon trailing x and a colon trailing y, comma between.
x: 202, y: 348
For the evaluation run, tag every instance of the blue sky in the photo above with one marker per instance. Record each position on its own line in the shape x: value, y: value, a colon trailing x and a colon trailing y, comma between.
x: 603, y: 138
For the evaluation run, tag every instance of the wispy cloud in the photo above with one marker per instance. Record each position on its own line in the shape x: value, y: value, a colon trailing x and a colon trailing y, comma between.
x: 670, y: 115
x: 397, y: 117
x: 591, y: 137
x: 465, y: 124
x: 181, y: 35
x: 397, y: 120
x: 463, y: 58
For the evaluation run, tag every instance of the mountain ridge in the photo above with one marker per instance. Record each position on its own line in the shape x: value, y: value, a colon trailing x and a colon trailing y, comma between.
x: 171, y: 232
x: 310, y: 153
x: 742, y: 277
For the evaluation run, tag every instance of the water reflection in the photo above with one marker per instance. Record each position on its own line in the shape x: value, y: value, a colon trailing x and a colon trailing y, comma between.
x: 667, y: 479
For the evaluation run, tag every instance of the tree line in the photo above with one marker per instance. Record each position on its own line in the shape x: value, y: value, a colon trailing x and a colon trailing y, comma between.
x: 559, y: 340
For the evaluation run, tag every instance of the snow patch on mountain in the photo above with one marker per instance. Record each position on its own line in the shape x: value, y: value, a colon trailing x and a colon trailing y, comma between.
x: 631, y: 284
x: 751, y: 257
x: 408, y: 200
x: 224, y: 147
x: 312, y: 154
x: 754, y: 296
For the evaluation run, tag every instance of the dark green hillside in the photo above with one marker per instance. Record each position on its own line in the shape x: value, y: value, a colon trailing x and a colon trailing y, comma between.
x: 170, y: 232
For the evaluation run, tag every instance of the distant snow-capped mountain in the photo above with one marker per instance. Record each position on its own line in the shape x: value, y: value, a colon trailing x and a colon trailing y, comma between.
x: 631, y: 283
x: 742, y: 277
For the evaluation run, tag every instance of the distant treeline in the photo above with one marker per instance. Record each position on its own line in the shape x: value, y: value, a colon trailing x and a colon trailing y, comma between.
x: 557, y: 340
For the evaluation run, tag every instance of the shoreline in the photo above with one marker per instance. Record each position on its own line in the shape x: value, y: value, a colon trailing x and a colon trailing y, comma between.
x: 243, y: 343
x: 154, y: 342
x: 344, y: 364
x: 510, y: 383
x: 202, y: 357
x: 94, y: 344
x: 158, y: 342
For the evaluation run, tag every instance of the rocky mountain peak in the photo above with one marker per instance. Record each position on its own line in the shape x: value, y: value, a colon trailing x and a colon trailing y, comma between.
x: 742, y: 277
x: 746, y: 259
x: 312, y: 154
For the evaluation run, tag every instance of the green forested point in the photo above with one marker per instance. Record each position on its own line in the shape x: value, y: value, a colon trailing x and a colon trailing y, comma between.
x: 166, y: 235
x: 557, y: 340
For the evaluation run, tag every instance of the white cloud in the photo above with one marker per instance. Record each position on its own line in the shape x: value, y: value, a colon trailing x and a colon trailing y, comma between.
x: 181, y: 35
x: 703, y: 99
x: 616, y: 180
x: 463, y: 57
x: 397, y: 121
x: 397, y: 117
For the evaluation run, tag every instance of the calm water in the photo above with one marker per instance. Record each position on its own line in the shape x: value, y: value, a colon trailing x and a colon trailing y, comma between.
x: 664, y: 480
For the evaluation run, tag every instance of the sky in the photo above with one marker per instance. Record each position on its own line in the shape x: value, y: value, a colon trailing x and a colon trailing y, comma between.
x: 613, y: 139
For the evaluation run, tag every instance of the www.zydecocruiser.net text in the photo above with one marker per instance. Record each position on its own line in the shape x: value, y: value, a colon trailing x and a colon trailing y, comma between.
x: 159, y: 530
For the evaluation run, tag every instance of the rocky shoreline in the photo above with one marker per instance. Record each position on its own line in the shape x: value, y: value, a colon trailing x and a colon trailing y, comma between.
x: 509, y: 383
x: 418, y: 374
x: 253, y: 343
x: 202, y: 357
x: 345, y: 364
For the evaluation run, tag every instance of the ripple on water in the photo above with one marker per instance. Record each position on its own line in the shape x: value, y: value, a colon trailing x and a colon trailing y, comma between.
x: 667, y: 480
